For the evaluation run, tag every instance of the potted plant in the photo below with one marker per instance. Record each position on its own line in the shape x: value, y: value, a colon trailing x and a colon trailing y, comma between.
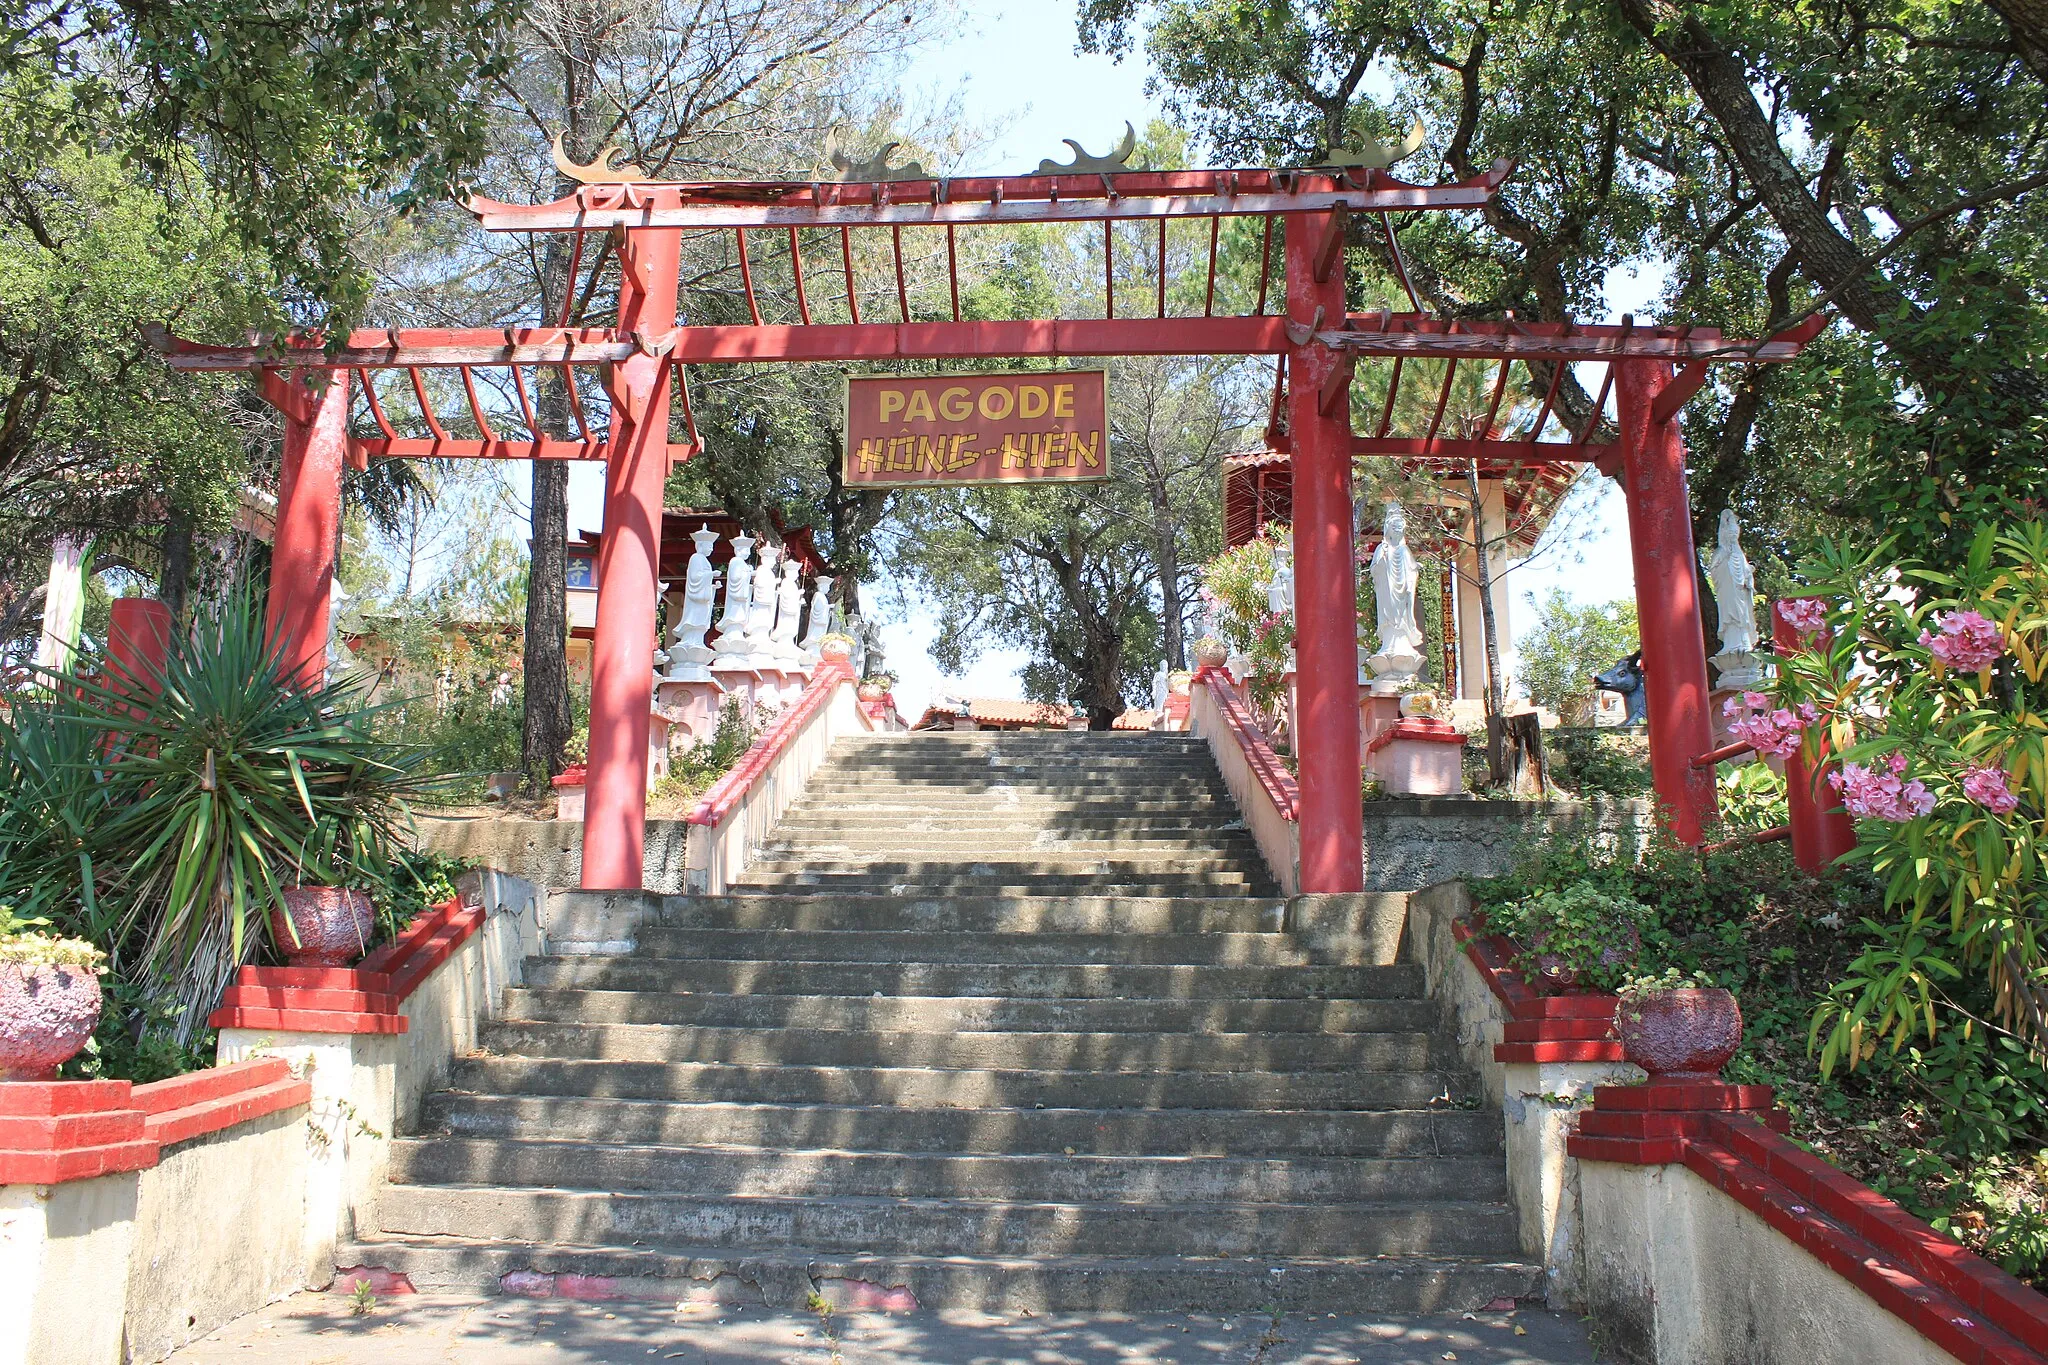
x: 570, y: 782
x: 1677, y: 1026
x: 876, y: 686
x: 1577, y: 938
x: 1211, y: 652
x: 49, y: 998
x: 836, y: 648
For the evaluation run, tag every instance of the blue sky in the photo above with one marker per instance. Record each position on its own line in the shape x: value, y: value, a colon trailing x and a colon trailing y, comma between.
x: 1014, y: 70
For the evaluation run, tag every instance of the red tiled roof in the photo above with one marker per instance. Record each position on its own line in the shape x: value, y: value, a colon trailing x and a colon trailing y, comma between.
x: 1137, y: 718
x: 1003, y: 711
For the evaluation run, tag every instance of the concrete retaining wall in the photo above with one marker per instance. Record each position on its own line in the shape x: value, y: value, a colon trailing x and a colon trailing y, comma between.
x: 218, y: 1232
x: 1538, y: 1101
x: 549, y: 852
x: 1415, y: 842
x: 1678, y: 1273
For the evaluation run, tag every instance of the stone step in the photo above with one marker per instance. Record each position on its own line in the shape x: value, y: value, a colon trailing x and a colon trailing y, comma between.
x: 1107, y: 1053
x: 1225, y: 851
x: 924, y: 1014
x: 1401, y: 981
x: 1381, y: 1133
x: 928, y: 1088
x: 955, y: 1227
x: 869, y: 760
x: 1045, y: 1178
x: 839, y: 820
x: 894, y: 946
x: 827, y: 787
x: 1010, y: 801
x: 1046, y: 884
x: 984, y: 914
x: 997, y: 864
x: 1048, y: 1283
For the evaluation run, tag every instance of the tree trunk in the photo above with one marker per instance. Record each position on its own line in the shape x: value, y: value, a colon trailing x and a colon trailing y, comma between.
x: 2029, y: 22
x: 546, y: 724
x: 545, y: 732
x: 174, y: 584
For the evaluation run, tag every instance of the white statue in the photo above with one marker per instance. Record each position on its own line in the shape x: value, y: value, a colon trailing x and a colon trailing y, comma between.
x: 1394, y: 576
x: 689, y: 653
x: 1159, y: 685
x: 761, y: 611
x: 820, y: 623
x: 1735, y: 594
x: 789, y: 610
x: 1280, y: 591
x: 733, y: 643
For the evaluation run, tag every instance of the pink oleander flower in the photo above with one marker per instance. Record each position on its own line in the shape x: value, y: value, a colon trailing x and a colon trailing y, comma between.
x: 1968, y: 641
x: 1774, y: 732
x: 1882, y: 793
x: 1804, y: 613
x: 1987, y: 787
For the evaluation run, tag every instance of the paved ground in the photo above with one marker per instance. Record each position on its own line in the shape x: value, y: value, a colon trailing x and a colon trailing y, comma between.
x: 320, y: 1329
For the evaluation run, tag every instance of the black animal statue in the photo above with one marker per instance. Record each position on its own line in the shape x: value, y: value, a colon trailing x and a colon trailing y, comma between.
x: 1626, y: 680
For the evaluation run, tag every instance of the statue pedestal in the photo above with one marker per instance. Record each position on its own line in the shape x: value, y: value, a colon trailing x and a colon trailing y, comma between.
x: 1377, y: 713
x: 1743, y: 669
x: 1418, y: 756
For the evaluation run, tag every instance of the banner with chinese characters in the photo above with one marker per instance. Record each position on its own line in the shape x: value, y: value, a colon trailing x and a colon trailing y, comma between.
x: 931, y: 431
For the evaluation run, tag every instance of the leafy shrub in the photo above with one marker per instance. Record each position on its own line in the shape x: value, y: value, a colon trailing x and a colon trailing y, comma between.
x: 1600, y: 763
x: 1578, y: 930
x: 1932, y: 691
x: 159, y: 828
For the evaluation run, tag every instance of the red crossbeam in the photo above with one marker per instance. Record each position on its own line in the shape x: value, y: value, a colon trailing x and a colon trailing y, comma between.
x: 1128, y: 195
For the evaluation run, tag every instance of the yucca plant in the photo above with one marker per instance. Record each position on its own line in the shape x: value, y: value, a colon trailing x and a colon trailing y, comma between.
x: 231, y: 783
x: 55, y: 804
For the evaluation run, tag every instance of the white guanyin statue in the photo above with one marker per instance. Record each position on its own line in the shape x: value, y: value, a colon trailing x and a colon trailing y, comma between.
x: 1394, y: 577
x: 689, y: 653
x: 789, y: 610
x: 820, y: 623
x: 761, y: 611
x: 733, y: 644
x: 1280, y: 591
x: 1735, y: 596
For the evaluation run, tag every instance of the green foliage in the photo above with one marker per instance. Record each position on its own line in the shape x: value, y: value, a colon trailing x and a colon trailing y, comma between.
x: 1574, y: 931
x: 1949, y: 1128
x: 1600, y: 762
x: 160, y: 830
x: 1752, y: 797
x: 1965, y: 889
x: 1761, y: 198
x: 692, y: 772
x: 40, y: 950
x: 302, y: 110
x: 1567, y: 645
x: 104, y: 439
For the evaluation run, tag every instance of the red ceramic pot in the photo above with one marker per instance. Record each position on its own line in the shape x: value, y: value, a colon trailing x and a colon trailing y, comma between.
x: 871, y: 691
x: 333, y: 926
x: 1682, y: 1035
x: 46, y: 1014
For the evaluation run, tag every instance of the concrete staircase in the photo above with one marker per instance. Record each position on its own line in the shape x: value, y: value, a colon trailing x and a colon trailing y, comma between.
x: 1005, y: 1021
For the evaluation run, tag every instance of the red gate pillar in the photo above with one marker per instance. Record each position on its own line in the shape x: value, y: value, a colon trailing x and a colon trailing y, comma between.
x: 1325, y: 573
x: 308, y: 535
x: 622, y: 654
x: 1821, y: 828
x: 138, y: 643
x: 1667, y: 599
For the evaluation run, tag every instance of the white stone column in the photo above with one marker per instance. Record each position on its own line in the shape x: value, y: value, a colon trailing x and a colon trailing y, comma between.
x: 1493, y: 522
x: 63, y: 603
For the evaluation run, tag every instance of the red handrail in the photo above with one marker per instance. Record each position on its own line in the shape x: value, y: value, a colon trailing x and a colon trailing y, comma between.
x: 1265, y: 764
x: 731, y: 789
